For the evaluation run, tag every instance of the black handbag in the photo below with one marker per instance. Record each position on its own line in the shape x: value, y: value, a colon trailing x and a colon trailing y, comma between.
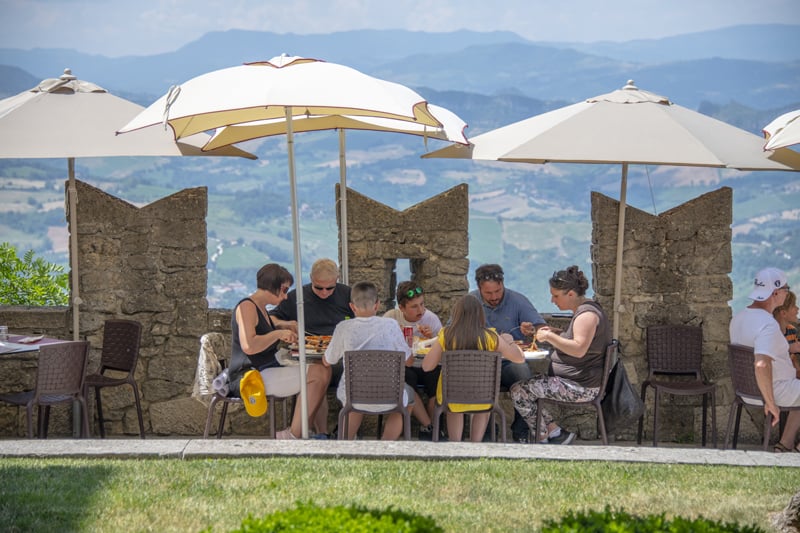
x: 621, y: 405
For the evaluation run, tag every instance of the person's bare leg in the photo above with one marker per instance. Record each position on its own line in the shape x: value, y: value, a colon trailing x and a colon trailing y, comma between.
x: 353, y: 423
x: 419, y: 411
x: 790, y: 430
x: 317, y: 379
x: 393, y: 427
x: 321, y: 417
x: 455, y: 426
x: 477, y: 426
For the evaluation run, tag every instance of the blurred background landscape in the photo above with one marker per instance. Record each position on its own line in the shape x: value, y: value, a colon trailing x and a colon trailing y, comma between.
x: 532, y: 219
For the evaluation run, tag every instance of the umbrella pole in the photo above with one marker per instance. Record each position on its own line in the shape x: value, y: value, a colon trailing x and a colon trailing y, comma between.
x: 343, y: 207
x: 72, y: 207
x: 620, y: 242
x: 298, y: 276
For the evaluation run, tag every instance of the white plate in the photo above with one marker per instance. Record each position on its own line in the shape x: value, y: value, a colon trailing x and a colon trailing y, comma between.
x: 28, y: 340
x: 533, y: 356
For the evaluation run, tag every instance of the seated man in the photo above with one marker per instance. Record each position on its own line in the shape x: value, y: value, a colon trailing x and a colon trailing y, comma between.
x: 755, y: 326
x: 367, y: 332
x: 411, y: 312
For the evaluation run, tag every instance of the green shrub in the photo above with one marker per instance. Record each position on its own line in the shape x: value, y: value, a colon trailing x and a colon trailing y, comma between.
x: 622, y: 522
x: 31, y: 281
x: 355, y: 519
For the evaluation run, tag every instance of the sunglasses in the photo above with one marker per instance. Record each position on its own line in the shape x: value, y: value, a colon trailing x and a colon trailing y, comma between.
x: 556, y: 278
x: 491, y: 276
x: 317, y: 287
x: 414, y: 292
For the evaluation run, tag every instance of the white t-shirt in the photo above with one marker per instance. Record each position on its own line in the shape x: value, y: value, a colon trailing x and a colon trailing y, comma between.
x: 759, y: 329
x: 429, y: 318
x: 365, y: 333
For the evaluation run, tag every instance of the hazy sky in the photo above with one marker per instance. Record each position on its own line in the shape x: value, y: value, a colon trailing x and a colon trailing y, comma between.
x: 130, y: 27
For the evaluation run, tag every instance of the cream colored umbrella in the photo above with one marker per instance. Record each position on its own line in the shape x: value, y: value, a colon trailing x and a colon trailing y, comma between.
x: 67, y: 117
x: 783, y: 131
x: 629, y: 126
x: 284, y: 89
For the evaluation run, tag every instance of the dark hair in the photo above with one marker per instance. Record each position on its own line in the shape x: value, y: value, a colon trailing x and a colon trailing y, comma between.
x: 571, y: 279
x: 364, y: 294
x: 467, y: 328
x: 272, y: 276
x: 490, y: 272
x: 407, y: 290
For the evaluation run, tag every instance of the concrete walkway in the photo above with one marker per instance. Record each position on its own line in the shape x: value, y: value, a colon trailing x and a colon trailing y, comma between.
x: 192, y: 448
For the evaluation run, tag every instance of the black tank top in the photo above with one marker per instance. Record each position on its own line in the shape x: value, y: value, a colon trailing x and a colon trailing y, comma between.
x: 240, y: 361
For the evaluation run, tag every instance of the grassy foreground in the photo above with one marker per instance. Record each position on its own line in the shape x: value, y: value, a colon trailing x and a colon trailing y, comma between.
x: 465, y: 495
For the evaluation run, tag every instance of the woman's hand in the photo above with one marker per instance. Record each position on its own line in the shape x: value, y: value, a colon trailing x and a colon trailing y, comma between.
x: 286, y: 335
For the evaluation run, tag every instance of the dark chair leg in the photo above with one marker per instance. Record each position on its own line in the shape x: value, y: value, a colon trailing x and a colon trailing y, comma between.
x: 714, y: 418
x: 209, y: 416
x: 736, y: 430
x: 767, y: 428
x: 138, y: 409
x: 601, y: 422
x: 45, y: 422
x: 222, y: 416
x: 705, y: 416
x: 641, y: 418
x: 655, y: 417
x: 99, y: 412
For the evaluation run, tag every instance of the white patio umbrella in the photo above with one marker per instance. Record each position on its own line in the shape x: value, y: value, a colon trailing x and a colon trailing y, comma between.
x: 67, y: 118
x: 783, y: 131
x: 628, y: 126
x: 285, y: 91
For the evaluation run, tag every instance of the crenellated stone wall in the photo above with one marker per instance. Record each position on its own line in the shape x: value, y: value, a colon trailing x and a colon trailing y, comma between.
x: 149, y: 264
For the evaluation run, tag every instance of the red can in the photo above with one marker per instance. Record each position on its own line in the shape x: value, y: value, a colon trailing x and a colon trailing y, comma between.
x: 408, y: 333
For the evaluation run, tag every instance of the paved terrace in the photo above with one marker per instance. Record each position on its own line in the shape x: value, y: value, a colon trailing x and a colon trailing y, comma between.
x: 193, y: 448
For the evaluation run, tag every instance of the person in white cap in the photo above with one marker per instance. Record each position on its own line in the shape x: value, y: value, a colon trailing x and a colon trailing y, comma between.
x: 755, y: 326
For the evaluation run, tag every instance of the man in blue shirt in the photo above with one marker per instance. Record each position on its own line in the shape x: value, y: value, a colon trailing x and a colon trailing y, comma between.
x: 511, y: 312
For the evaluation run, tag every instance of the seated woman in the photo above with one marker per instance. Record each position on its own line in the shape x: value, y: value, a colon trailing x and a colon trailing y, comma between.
x: 467, y: 331
x: 577, y: 359
x: 786, y: 316
x: 255, y: 340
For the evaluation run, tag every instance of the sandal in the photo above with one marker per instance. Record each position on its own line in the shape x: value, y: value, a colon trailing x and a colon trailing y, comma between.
x: 780, y: 448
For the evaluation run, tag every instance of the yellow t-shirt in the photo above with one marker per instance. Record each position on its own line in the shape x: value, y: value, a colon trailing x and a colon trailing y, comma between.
x: 491, y: 345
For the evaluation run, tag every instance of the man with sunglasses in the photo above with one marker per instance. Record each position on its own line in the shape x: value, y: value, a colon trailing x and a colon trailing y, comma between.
x: 510, y: 312
x: 411, y: 312
x: 326, y: 302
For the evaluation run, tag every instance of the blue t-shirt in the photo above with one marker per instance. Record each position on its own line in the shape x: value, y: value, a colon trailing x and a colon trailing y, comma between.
x: 514, y: 309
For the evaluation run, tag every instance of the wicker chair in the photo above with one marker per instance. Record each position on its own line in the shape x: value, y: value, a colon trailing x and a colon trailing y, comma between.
x: 59, y: 379
x: 374, y: 385
x: 218, y: 350
x: 677, y: 350
x: 470, y: 377
x: 120, y: 353
x: 745, y: 391
x: 596, y: 402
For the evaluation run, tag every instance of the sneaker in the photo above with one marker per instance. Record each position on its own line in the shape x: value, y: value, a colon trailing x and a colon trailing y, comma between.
x: 425, y: 433
x: 566, y: 437
x: 318, y: 436
x: 285, y: 434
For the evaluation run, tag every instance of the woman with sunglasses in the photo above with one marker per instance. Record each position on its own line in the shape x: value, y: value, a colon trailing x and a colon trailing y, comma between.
x: 577, y: 359
x: 411, y: 312
x: 254, y: 341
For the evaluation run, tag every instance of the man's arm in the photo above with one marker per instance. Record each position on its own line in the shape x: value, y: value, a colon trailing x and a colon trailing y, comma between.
x: 763, y: 369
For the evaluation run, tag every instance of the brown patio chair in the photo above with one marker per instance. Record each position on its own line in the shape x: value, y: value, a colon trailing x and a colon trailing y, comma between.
x: 59, y: 379
x: 218, y: 349
x: 746, y: 392
x: 374, y: 385
x: 120, y: 354
x: 677, y: 351
x: 596, y: 402
x: 471, y: 377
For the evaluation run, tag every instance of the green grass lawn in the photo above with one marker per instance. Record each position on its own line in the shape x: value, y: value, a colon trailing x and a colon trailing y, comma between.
x: 460, y: 495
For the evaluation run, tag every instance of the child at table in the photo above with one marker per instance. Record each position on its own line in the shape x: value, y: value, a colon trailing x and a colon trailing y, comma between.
x: 467, y: 331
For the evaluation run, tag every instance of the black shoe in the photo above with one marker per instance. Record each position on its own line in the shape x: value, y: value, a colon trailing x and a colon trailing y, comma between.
x: 566, y: 437
x: 425, y: 433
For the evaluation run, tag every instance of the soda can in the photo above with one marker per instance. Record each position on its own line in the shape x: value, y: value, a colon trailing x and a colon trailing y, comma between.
x: 408, y: 333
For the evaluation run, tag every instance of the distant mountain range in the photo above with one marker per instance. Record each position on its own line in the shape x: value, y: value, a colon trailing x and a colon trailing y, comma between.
x: 531, y: 218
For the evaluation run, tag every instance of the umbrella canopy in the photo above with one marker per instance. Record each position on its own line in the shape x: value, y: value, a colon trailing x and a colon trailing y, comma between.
x: 627, y: 126
x: 67, y: 117
x: 783, y: 131
x: 276, y: 96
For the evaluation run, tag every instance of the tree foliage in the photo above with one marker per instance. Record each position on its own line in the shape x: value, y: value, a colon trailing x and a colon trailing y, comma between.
x: 31, y: 280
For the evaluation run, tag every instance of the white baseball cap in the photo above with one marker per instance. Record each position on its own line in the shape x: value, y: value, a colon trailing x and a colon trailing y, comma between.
x: 766, y: 282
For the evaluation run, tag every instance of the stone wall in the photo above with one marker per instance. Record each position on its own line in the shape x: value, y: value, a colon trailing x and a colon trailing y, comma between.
x: 676, y: 270
x: 433, y: 235
x: 149, y: 264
